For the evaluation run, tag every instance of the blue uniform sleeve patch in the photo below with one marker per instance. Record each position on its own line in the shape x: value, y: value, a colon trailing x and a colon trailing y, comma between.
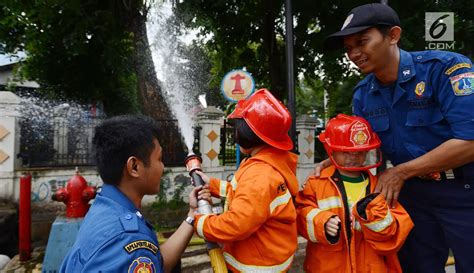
x: 463, y: 84
x: 141, y: 244
x: 455, y: 67
x: 142, y: 264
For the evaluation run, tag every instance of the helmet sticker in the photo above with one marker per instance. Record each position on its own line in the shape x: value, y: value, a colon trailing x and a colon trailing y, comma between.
x: 359, y: 134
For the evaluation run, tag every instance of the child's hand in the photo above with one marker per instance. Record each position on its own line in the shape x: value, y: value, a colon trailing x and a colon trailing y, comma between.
x: 204, y: 177
x: 332, y: 225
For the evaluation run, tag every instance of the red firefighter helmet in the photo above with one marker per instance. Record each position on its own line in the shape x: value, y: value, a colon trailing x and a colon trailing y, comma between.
x: 353, y: 136
x: 267, y: 117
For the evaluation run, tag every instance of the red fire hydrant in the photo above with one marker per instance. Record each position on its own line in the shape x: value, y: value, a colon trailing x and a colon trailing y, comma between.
x: 76, y: 195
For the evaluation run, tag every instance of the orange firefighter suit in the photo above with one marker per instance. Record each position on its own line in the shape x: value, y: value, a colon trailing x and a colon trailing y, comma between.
x: 258, y: 229
x: 367, y: 244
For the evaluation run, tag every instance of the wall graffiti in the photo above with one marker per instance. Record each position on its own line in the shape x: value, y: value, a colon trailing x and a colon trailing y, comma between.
x: 45, y: 190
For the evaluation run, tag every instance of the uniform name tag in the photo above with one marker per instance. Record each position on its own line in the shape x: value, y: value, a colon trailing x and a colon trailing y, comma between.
x: 141, y: 244
x: 456, y: 67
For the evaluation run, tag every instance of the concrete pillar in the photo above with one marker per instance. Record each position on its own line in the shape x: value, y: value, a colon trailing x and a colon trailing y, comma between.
x: 306, y: 126
x: 210, y: 120
x: 9, y: 143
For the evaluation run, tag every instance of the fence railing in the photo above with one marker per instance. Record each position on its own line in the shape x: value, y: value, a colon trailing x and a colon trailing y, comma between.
x: 174, y: 150
x: 319, y: 152
x: 60, y: 141
x: 68, y: 142
x: 227, y: 155
x: 57, y: 142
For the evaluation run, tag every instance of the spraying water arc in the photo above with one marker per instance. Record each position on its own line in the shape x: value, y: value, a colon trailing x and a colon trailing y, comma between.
x: 169, y: 62
x: 178, y: 89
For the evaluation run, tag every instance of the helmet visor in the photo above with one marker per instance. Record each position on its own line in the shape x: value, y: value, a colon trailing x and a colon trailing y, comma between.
x: 359, y: 160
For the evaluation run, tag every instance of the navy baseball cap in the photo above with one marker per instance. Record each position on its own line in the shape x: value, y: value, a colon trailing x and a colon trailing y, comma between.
x: 361, y: 18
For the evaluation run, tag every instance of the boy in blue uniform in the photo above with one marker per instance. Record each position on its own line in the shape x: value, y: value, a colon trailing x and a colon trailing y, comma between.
x: 421, y: 106
x: 114, y: 236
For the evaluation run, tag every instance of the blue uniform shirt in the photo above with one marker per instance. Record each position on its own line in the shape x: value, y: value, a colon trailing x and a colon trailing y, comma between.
x: 431, y: 102
x: 114, y: 237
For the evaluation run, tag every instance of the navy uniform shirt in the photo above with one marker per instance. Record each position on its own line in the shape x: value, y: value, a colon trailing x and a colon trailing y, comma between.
x: 431, y: 102
x: 114, y: 237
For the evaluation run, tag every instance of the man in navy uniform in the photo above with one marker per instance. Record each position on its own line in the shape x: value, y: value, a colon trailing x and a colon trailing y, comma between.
x: 421, y: 104
x: 114, y: 236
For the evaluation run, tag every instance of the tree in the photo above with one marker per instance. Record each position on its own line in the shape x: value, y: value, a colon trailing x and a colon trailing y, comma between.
x: 98, y: 50
x: 244, y: 34
x: 251, y: 33
x: 87, y: 50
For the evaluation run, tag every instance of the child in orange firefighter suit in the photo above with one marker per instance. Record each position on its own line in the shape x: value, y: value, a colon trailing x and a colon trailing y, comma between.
x: 349, y: 227
x: 258, y: 227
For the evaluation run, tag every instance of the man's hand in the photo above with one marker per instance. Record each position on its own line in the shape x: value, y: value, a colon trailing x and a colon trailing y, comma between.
x: 199, y: 193
x: 390, y: 182
x: 332, y: 226
x: 318, y: 167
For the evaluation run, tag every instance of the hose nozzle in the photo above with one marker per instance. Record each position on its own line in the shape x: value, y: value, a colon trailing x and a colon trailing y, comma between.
x: 193, y: 164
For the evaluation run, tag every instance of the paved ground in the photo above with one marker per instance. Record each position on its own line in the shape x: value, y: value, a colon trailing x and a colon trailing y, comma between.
x: 195, y: 260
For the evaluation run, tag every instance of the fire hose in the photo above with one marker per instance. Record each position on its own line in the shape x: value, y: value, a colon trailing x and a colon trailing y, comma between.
x: 193, y: 164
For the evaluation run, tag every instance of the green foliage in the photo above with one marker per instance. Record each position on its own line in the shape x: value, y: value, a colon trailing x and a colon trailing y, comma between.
x: 340, y: 100
x: 237, y: 34
x: 76, y: 49
x: 310, y: 98
x: 241, y: 34
x: 176, y: 201
x: 83, y: 49
x: 172, y: 204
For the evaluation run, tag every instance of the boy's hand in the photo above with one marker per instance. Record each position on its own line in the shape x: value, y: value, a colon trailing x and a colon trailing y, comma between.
x: 332, y: 225
x: 204, y: 177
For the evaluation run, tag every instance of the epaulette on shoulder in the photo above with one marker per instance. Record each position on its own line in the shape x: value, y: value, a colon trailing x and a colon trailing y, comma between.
x: 431, y: 55
x: 129, y: 222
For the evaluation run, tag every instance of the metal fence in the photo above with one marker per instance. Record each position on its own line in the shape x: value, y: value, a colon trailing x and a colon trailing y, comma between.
x: 57, y: 142
x: 227, y: 154
x: 319, y: 151
x: 68, y: 142
x: 174, y: 150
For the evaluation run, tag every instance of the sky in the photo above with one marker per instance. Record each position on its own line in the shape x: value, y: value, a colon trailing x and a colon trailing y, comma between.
x: 9, y: 59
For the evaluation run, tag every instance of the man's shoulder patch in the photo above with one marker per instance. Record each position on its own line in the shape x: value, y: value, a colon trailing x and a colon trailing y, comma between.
x: 463, y: 84
x: 455, y: 67
x: 141, y: 244
x: 142, y: 264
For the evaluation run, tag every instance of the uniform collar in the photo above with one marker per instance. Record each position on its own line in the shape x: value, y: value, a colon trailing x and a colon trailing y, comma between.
x: 406, y: 71
x: 116, y: 195
x: 328, y: 172
x: 406, y: 68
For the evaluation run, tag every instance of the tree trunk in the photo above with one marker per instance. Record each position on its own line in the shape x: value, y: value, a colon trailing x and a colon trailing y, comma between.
x: 149, y: 91
x: 277, y: 84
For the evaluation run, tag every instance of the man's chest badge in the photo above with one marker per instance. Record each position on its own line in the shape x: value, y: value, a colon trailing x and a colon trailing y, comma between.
x: 420, y: 88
